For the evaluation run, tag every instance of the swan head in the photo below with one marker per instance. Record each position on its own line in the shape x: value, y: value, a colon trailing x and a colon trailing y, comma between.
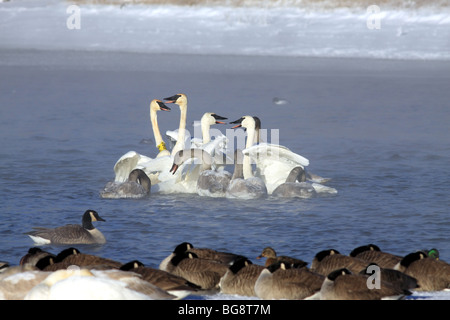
x: 157, y: 105
x: 179, y: 99
x: 245, y: 122
x: 212, y: 118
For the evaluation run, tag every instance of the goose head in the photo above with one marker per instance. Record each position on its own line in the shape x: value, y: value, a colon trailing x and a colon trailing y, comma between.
x: 337, y: 273
x: 278, y: 265
x: 369, y: 247
x: 409, y: 259
x: 325, y: 253
x: 131, y: 265
x: 181, y: 256
x: 66, y: 253
x: 239, y: 264
x: 179, y: 99
x: 88, y: 217
x: 157, y: 105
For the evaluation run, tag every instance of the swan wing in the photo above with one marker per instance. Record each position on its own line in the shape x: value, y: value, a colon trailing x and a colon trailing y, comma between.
x: 274, y: 163
x: 272, y: 152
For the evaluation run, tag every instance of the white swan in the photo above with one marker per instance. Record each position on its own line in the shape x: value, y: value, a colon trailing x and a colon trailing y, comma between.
x: 130, y: 160
x: 210, y: 183
x: 244, y: 188
x: 273, y: 162
x: 137, y: 186
x: 216, y: 148
x: 157, y: 169
x: 181, y: 100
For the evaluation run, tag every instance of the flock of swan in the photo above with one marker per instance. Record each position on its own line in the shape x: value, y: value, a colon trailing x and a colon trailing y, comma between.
x: 366, y: 273
x: 199, y: 165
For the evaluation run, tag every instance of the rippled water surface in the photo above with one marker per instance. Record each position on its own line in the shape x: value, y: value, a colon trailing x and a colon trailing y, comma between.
x: 378, y: 129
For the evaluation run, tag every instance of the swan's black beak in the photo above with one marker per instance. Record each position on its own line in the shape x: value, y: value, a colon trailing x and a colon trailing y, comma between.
x: 174, y: 168
x: 162, y: 106
x: 217, y: 117
x: 238, y: 122
x: 172, y: 99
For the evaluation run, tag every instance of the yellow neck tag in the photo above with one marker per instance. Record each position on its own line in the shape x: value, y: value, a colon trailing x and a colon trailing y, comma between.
x: 161, y: 146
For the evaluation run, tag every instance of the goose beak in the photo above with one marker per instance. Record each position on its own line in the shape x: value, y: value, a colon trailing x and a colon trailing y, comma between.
x: 174, y: 168
x: 258, y: 257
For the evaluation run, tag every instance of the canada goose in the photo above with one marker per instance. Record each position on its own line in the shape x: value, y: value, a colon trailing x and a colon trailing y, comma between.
x: 431, y: 274
x: 71, y: 233
x: 210, y: 182
x: 201, y: 272
x: 171, y: 283
x: 341, y: 284
x: 328, y: 260
x: 73, y: 256
x: 76, y: 283
x: 240, y: 278
x: 280, y: 281
x: 293, y: 189
x: 225, y: 258
x: 33, y: 256
x: 244, y: 186
x: 372, y: 253
x: 271, y: 257
x: 137, y: 186
x: 394, y: 277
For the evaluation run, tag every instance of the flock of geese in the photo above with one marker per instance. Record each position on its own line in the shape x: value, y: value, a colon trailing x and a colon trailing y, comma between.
x: 199, y: 165
x: 367, y: 273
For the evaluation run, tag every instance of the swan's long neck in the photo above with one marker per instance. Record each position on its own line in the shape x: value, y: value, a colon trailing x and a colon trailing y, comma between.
x: 181, y: 130
x: 205, y: 131
x: 246, y: 163
x: 155, y: 127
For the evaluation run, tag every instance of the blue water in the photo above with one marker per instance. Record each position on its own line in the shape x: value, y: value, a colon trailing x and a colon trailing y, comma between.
x: 379, y: 129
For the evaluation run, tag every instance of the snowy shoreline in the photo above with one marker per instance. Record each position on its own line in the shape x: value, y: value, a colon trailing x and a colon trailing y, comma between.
x: 220, y: 30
